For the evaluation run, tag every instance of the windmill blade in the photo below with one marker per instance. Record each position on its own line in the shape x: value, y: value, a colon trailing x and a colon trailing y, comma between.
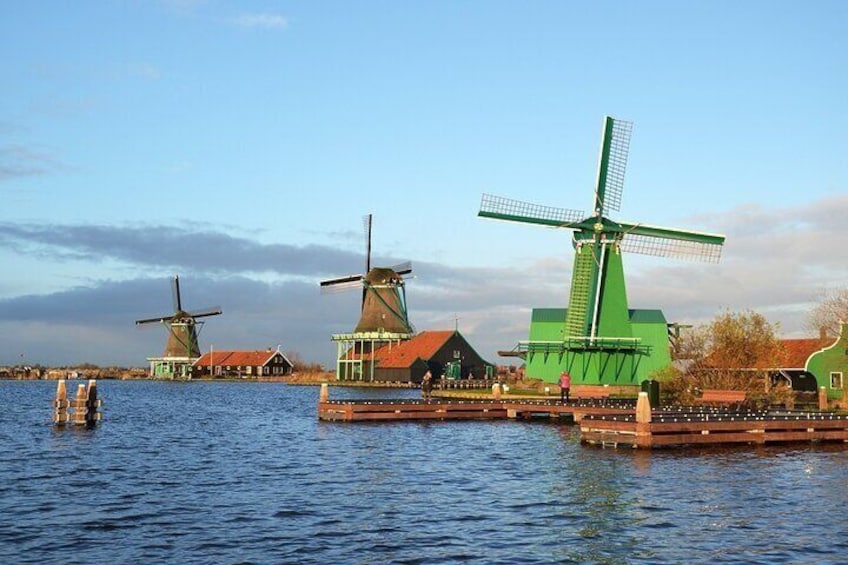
x: 402, y: 268
x: 175, y: 294
x: 367, y: 221
x: 500, y: 208
x: 160, y: 320
x: 612, y: 163
x: 669, y: 242
x: 341, y: 280
x: 204, y: 312
x: 341, y: 286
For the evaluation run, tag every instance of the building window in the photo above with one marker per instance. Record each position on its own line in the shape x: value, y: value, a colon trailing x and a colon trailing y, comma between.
x: 456, y: 354
x: 836, y: 380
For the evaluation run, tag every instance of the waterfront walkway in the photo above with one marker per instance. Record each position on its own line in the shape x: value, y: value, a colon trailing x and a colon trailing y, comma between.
x: 611, y: 422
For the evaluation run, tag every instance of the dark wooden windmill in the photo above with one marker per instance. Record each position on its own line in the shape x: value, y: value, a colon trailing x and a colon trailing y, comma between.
x: 182, y: 326
x: 383, y: 293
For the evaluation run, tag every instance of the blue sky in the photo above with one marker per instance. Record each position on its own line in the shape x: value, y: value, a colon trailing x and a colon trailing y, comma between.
x: 240, y: 144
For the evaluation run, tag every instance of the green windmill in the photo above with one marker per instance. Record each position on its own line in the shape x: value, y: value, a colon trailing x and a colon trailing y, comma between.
x: 598, y: 338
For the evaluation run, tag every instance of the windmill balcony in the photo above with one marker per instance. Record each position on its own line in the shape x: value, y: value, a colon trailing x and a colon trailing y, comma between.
x: 582, y: 344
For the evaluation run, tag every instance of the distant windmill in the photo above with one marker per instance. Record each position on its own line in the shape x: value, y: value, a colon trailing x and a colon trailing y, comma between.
x: 597, y: 318
x: 182, y: 338
x: 383, y: 292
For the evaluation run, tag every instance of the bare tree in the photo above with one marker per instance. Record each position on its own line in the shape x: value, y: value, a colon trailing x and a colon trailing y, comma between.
x: 829, y: 312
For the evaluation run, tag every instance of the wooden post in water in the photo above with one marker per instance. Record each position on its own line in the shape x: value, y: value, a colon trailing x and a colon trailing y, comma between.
x: 822, y: 398
x: 92, y: 416
x: 60, y: 405
x: 324, y: 395
x: 496, y: 391
x: 84, y: 405
x: 78, y: 404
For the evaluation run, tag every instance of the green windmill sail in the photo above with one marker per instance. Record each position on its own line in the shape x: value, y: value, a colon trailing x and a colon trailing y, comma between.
x: 597, y: 337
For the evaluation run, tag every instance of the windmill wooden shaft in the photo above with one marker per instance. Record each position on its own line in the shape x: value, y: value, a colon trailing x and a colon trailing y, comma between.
x: 598, y: 338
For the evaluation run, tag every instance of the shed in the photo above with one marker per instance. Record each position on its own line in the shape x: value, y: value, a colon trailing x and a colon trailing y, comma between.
x: 242, y: 364
x: 441, y: 352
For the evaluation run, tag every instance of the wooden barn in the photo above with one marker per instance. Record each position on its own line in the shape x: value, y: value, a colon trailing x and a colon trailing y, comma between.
x: 242, y: 364
x: 441, y: 352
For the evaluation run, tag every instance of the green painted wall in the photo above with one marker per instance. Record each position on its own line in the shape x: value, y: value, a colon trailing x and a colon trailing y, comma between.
x: 833, y: 359
x: 652, y: 327
x: 547, y: 324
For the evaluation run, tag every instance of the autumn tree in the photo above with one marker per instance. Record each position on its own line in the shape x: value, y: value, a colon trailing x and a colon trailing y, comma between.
x: 737, y: 350
x: 829, y: 312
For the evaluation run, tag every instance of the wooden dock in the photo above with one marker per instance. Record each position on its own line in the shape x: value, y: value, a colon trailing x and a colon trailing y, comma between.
x: 443, y: 409
x: 713, y: 427
x: 610, y: 422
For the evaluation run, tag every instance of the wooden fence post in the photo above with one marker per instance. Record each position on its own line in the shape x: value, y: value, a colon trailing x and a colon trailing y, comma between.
x: 643, y: 409
x: 822, y: 398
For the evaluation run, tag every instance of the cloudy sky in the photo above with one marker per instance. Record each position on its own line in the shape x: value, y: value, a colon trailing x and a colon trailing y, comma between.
x: 239, y: 145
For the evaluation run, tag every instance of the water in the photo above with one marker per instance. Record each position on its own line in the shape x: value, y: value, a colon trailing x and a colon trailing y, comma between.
x: 244, y: 473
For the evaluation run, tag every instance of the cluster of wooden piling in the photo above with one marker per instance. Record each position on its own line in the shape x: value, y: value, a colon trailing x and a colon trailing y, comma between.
x: 82, y: 410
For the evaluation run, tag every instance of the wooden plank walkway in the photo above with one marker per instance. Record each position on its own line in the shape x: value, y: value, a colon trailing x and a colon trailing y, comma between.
x: 442, y: 409
x: 714, y: 427
x: 611, y: 422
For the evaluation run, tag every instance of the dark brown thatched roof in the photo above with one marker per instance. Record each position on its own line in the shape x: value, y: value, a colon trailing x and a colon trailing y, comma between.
x: 384, y: 308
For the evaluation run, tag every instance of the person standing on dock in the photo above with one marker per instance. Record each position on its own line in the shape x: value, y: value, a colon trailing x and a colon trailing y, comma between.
x: 427, y: 385
x: 564, y: 386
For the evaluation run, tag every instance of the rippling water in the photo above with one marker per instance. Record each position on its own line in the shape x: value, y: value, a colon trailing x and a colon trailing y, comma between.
x: 244, y: 473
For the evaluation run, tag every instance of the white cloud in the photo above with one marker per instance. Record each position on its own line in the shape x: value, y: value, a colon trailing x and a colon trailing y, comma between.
x: 269, y: 21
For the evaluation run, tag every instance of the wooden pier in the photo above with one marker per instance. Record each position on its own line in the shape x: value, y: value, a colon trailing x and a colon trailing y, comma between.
x: 442, y: 409
x: 713, y: 427
x: 610, y: 422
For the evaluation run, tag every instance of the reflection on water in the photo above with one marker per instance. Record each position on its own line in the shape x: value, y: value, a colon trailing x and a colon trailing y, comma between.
x: 244, y: 472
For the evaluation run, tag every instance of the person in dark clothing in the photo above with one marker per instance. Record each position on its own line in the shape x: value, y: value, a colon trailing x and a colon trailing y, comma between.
x: 427, y: 385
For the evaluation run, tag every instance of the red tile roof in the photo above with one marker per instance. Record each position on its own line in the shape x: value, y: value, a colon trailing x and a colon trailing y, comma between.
x: 423, y: 346
x: 799, y: 350
x: 402, y: 355
x: 237, y: 358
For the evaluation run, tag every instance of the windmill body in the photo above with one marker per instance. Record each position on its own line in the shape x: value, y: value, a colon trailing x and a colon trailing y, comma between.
x: 383, y: 318
x: 182, y: 348
x: 598, y: 338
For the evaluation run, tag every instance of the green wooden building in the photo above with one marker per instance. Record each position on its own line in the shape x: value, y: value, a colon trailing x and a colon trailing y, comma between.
x: 829, y: 365
x: 640, y: 347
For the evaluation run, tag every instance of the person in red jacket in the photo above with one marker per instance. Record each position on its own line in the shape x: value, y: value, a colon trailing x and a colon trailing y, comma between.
x: 564, y: 386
